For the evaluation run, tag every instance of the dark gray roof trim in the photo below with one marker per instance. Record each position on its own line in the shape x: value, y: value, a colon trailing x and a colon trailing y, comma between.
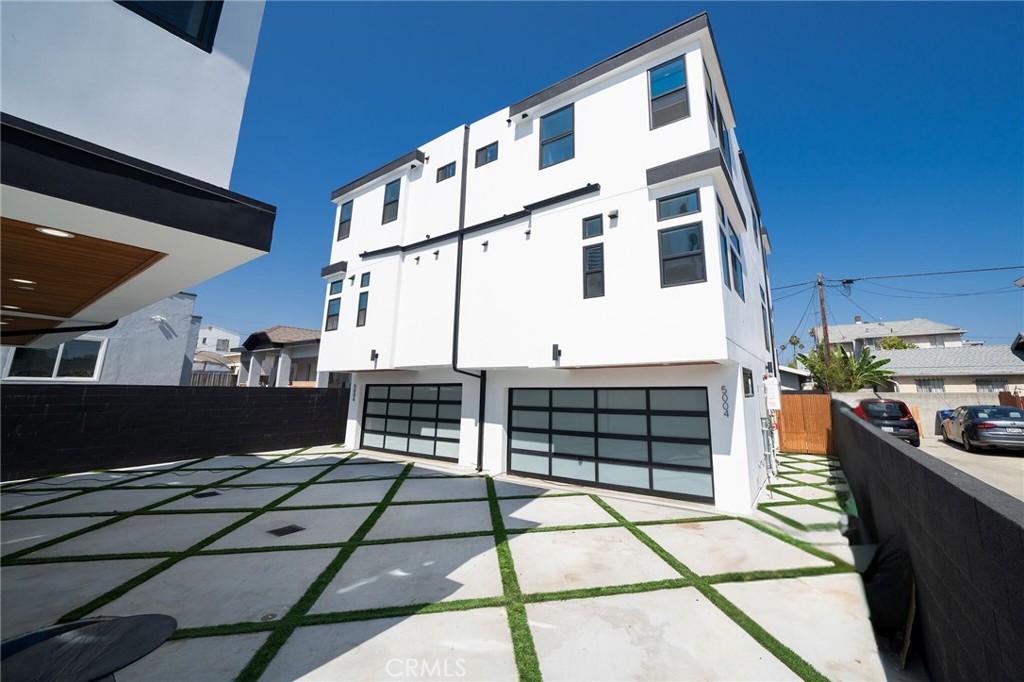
x: 415, y: 155
x: 590, y: 188
x: 45, y: 161
x: 641, y: 49
x: 698, y: 163
x: 750, y: 183
x: 341, y: 266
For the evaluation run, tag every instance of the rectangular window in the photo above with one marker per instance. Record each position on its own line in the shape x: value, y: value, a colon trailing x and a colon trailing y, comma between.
x: 194, y: 22
x: 364, y: 280
x: 333, y: 312
x: 391, y: 191
x: 748, y: 383
x: 930, y: 385
x: 336, y: 286
x: 669, y: 101
x: 723, y: 247
x: 709, y: 91
x: 556, y: 137
x: 764, y: 321
x: 678, y: 205
x: 990, y: 385
x: 446, y: 171
x: 682, y: 255
x: 78, y: 359
x: 593, y: 226
x: 593, y: 271
x: 364, y: 297
x: 485, y: 155
x: 725, y: 142
x: 223, y: 345
x: 736, y: 254
x: 344, y: 221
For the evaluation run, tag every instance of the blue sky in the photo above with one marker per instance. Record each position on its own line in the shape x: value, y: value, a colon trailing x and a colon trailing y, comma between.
x: 883, y: 138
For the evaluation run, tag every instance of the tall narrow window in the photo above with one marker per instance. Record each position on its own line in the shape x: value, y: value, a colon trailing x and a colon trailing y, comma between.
x: 736, y: 257
x: 333, y: 312
x: 669, y: 101
x: 364, y: 280
x: 682, y: 255
x: 593, y: 271
x: 391, y: 191
x: 678, y: 205
x: 724, y: 140
x: 723, y: 247
x: 345, y: 221
x: 485, y: 155
x: 709, y: 91
x: 748, y: 383
x: 556, y: 137
x: 764, y: 321
x: 364, y: 297
x: 593, y: 226
x: 446, y: 171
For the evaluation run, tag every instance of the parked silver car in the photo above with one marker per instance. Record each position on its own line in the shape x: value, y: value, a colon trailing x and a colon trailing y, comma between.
x: 985, y: 426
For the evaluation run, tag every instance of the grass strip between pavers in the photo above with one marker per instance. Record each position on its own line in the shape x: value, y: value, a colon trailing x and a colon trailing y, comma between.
x: 788, y: 657
x: 257, y: 665
x: 523, y: 647
x: 129, y: 585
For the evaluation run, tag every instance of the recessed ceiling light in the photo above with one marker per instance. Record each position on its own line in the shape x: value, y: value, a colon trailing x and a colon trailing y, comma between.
x: 11, y: 307
x: 53, y: 232
x: 23, y: 281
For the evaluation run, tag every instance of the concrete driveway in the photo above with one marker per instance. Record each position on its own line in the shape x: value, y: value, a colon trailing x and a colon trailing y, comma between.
x: 1001, y: 469
x: 329, y: 565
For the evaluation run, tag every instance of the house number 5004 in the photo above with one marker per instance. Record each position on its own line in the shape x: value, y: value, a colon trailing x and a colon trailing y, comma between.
x: 725, y: 400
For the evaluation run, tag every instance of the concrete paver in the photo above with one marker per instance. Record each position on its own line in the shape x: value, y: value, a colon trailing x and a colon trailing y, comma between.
x: 574, y: 559
x: 510, y: 488
x: 320, y: 526
x: 16, y: 535
x: 421, y: 489
x: 414, y: 573
x: 90, y: 479
x: 553, y: 511
x: 156, y: 533
x: 207, y: 659
x: 350, y: 470
x: 804, y: 492
x: 804, y: 477
x: 348, y: 492
x: 34, y: 596
x: 823, y: 621
x: 728, y: 546
x: 810, y: 515
x: 663, y: 635
x: 110, y: 501
x: 10, y: 501
x: 183, y: 478
x: 234, y: 588
x: 232, y: 462
x: 418, y: 520
x: 279, y: 475
x: 471, y: 645
x: 635, y: 510
x: 230, y: 498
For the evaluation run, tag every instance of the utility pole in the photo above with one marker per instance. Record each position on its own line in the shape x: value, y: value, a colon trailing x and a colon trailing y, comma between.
x: 824, y: 323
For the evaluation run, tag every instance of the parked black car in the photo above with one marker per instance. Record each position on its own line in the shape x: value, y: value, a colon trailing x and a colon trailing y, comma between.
x: 892, y: 416
x: 985, y: 426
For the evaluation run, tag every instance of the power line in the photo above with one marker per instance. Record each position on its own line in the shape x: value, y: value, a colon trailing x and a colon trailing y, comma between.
x: 929, y: 274
x: 795, y: 293
x: 790, y: 286
x: 1011, y: 290
x: 859, y: 306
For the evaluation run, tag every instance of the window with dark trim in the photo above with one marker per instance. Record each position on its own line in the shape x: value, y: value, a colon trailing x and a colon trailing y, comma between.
x: 556, y: 137
x: 748, y: 383
x: 724, y: 140
x: 593, y: 226
x: 485, y: 155
x: 593, y: 271
x: 364, y: 280
x: 345, y: 220
x: 336, y: 287
x: 194, y: 22
x: 677, y: 205
x: 736, y: 256
x: 682, y: 255
x: 415, y: 419
x: 764, y: 321
x: 446, y: 171
x: 333, y: 313
x: 669, y: 99
x: 364, y: 297
x: 391, y: 192
x: 710, y: 92
x: 79, y: 359
x: 723, y: 247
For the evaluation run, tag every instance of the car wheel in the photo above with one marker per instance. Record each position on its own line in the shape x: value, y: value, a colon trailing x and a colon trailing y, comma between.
x: 968, y: 445
x: 945, y: 436
x: 916, y: 442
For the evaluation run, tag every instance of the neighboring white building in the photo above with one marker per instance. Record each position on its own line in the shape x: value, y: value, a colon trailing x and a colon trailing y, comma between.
x: 217, y: 339
x: 280, y: 357
x: 582, y: 272
x: 119, y: 127
x: 918, y: 331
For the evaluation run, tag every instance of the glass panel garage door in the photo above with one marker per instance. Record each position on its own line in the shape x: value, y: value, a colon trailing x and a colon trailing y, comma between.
x: 416, y: 419
x: 656, y: 440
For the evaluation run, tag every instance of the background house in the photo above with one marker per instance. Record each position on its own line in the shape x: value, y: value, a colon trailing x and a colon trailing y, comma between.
x: 152, y: 346
x: 918, y: 331
x: 280, y: 357
x: 963, y: 369
x: 217, y: 339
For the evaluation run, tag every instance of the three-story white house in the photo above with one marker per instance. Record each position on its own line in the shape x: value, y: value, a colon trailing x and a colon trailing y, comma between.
x: 573, y: 288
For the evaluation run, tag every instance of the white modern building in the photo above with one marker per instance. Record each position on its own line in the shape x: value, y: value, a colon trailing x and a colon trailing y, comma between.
x: 216, y: 339
x: 572, y: 288
x: 119, y: 127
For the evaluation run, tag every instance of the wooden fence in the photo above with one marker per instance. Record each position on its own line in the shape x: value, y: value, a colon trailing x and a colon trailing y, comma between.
x: 1011, y: 400
x: 805, y: 423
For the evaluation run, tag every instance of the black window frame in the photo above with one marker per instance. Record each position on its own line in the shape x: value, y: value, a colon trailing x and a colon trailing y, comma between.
x: 736, y: 261
x: 748, y: 383
x: 571, y: 133
x: 446, y: 171
x: 345, y: 224
x: 384, y: 220
x: 600, y: 223
x: 364, y: 303
x: 764, y: 321
x: 205, y: 35
x: 684, y: 89
x: 331, y: 319
x: 412, y: 400
x: 481, y: 159
x: 659, y: 200
x: 587, y: 272
x: 723, y: 247
x: 662, y: 258
x: 364, y: 280
x: 335, y: 287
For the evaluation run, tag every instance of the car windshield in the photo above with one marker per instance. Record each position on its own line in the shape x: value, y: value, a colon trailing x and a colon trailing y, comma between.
x: 998, y: 413
x: 886, y: 409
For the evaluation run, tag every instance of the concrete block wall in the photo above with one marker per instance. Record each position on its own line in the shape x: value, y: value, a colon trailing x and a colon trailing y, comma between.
x: 47, y: 429
x: 965, y: 541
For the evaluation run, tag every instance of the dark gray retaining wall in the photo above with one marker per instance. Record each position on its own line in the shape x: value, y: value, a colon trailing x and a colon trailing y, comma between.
x: 965, y: 540
x: 68, y: 428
